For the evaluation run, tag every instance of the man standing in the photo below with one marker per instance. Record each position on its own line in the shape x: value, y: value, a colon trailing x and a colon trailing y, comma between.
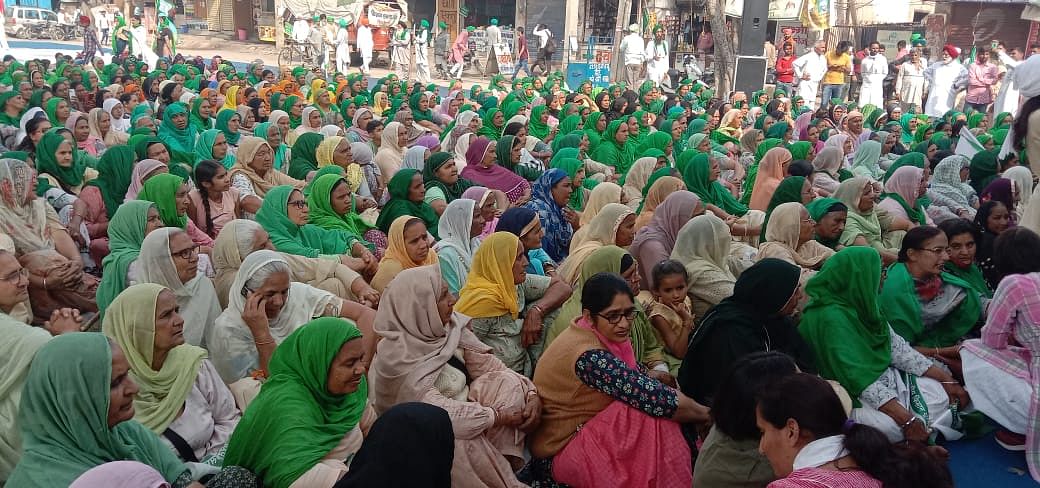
x: 422, y: 52
x: 657, y: 51
x: 138, y: 38
x: 401, y: 45
x: 785, y: 70
x: 494, y: 39
x: 810, y: 69
x: 103, y: 25
x: 440, y: 49
x: 946, y: 77
x: 981, y: 77
x: 301, y: 30
x: 330, y: 30
x: 90, y: 41
x: 873, y: 70
x: 546, y: 48
x: 839, y: 64
x: 522, y: 55
x: 342, y: 47
x: 632, y: 49
x: 365, y: 44
x: 1007, y: 97
x: 317, y: 41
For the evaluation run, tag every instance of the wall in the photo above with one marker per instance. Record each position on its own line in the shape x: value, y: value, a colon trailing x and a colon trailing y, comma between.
x: 985, y: 22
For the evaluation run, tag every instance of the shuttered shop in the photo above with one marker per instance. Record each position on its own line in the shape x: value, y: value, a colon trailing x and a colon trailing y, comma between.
x: 986, y: 22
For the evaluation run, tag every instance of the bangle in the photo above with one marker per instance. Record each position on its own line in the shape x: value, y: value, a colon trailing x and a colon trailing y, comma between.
x: 263, y: 343
x: 908, y: 423
x: 44, y: 282
x: 949, y: 383
x: 538, y: 308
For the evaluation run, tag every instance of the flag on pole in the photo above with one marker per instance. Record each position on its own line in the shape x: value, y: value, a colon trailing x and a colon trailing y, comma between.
x: 1008, y: 147
x: 967, y: 144
x: 163, y: 7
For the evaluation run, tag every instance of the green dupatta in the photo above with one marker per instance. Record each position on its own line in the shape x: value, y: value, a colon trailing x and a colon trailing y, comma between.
x: 902, y: 309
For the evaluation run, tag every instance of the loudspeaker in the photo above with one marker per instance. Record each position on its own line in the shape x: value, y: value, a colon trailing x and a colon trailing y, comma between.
x: 753, y: 27
x: 750, y: 74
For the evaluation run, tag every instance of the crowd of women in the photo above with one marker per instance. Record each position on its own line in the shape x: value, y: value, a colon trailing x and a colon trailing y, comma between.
x: 290, y: 281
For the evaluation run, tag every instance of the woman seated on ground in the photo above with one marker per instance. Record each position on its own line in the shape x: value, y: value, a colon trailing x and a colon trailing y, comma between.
x: 526, y: 225
x: 428, y: 354
x: 61, y: 176
x: 613, y: 226
x: 134, y: 220
x: 243, y: 237
x: 659, y: 190
x: 253, y: 174
x: 170, y: 194
x: 390, y: 153
x: 460, y: 228
x: 334, y: 207
x: 829, y: 217
x: 963, y: 239
x: 589, y: 383
x: 654, y: 242
x: 865, y: 225
x: 756, y: 318
x: 992, y: 219
x: 703, y: 246
x: 549, y: 199
x: 949, y: 191
x: 853, y: 344
x: 602, y: 195
x: 997, y: 369
x: 811, y: 441
x: 66, y: 439
x: 729, y: 457
x: 213, y: 202
x: 43, y: 246
x: 482, y: 169
x: 501, y: 297
x: 826, y: 167
x: 311, y: 405
x: 442, y: 181
x: 789, y: 237
x: 407, y: 197
x: 900, y: 200
x: 409, y: 247
x: 169, y: 258
x: 100, y: 198
x: 181, y: 396
x: 930, y: 308
x: 264, y: 307
x: 285, y: 214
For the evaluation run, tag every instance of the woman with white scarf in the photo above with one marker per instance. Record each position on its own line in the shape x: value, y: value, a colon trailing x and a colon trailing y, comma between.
x: 459, y: 228
x: 952, y: 197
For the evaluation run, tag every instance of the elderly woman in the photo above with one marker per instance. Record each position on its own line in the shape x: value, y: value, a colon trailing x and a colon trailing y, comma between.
x: 334, y: 207
x: 656, y: 192
x: 312, y: 405
x: 43, y: 246
x: 285, y: 216
x: 703, y: 246
x: 853, y: 344
x: 181, y: 397
x: 613, y: 226
x: 500, y: 298
x: 789, y: 237
x: 134, y: 220
x: 169, y: 258
x: 550, y: 196
x: 590, y: 383
x: 757, y: 317
x: 61, y: 174
x: 482, y: 169
x: 525, y: 224
x: 264, y: 307
x: 930, y: 308
x: 101, y: 197
x: 428, y: 354
x: 390, y: 155
x: 460, y: 227
x: 951, y: 195
x: 865, y: 226
x: 654, y: 242
x: 254, y: 175
x: 65, y: 440
x: 246, y: 236
x: 442, y: 181
x: 826, y: 167
x: 902, y: 191
x: 409, y: 247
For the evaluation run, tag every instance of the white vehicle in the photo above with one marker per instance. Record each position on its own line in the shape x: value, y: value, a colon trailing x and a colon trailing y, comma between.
x: 20, y: 18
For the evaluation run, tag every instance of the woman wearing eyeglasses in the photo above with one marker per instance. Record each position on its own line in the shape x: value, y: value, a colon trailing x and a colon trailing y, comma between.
x: 931, y: 308
x: 604, y: 421
x: 170, y: 258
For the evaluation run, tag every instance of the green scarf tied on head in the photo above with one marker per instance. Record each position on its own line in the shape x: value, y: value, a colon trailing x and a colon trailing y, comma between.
x: 399, y: 204
x: 572, y: 166
x: 125, y: 235
x: 800, y: 150
x: 572, y: 140
x: 179, y: 140
x: 451, y: 192
x: 535, y: 126
x: 595, y: 137
x: 287, y: 105
x: 114, y: 170
x: 46, y: 162
x: 298, y: 383
x: 51, y: 109
x: 204, y: 149
x: 420, y: 115
x: 4, y: 118
x: 305, y: 155
x: 789, y: 190
x: 697, y: 177
x: 983, y: 170
x: 818, y: 209
x: 223, y: 119
x: 489, y: 130
x: 288, y: 237
x: 161, y: 189
x: 195, y: 117
x: 613, y: 153
x: 319, y: 201
x: 570, y: 124
x: 511, y: 109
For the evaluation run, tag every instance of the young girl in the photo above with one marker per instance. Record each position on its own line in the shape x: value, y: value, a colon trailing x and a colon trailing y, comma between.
x: 669, y: 311
x: 213, y: 202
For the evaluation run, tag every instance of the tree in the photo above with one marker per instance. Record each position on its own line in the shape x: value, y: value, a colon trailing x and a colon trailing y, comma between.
x: 725, y: 55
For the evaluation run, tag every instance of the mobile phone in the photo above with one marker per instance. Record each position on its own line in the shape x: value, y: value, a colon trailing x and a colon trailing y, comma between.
x: 246, y: 291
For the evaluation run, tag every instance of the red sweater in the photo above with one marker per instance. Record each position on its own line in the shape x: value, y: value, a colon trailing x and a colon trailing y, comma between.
x: 785, y: 69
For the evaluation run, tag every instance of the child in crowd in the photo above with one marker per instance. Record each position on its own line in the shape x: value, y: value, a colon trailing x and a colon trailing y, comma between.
x: 669, y: 311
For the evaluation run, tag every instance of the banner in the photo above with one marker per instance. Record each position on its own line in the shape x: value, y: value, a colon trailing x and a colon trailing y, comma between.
x: 817, y: 14
x: 778, y: 9
x: 383, y: 16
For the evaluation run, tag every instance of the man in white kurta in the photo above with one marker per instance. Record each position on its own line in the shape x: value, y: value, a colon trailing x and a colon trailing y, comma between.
x: 365, y: 44
x: 422, y: 52
x: 946, y: 77
x: 1007, y: 97
x: 809, y: 70
x: 873, y: 70
x: 342, y: 47
x: 657, y: 52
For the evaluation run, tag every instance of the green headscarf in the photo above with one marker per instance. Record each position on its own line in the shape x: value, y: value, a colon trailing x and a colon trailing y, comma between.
x: 162, y: 190
x: 570, y: 124
x: 319, y: 201
x: 915, y: 159
x: 789, y: 190
x: 52, y: 111
x: 998, y: 121
x: 178, y: 140
x: 489, y: 130
x: 195, y: 118
x: 204, y: 149
x: 590, y: 130
x: 657, y: 140
x: 902, y: 309
x: 906, y: 135
x: 63, y: 439
x: 304, y: 154
x: 294, y: 411
x: 697, y: 177
x: 294, y: 121
x: 223, y: 118
x: 511, y: 109
x: 972, y: 276
x: 843, y: 323
x: 302, y: 240
x: 818, y: 208
x: 777, y: 131
x: 420, y: 115
x: 451, y: 192
x: 800, y: 150
x: 983, y: 170
x: 611, y: 152
x: 399, y: 204
x: 114, y: 170
x: 69, y: 177
x: 535, y: 126
x: 571, y: 166
x: 572, y: 140
x: 125, y: 234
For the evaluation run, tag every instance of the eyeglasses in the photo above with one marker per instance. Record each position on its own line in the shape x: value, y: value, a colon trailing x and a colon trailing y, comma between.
x: 187, y: 253
x: 300, y: 204
x: 16, y: 276
x: 938, y: 251
x: 615, y: 318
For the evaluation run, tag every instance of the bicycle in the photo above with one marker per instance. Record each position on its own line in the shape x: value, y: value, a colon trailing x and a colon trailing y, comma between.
x: 297, y: 54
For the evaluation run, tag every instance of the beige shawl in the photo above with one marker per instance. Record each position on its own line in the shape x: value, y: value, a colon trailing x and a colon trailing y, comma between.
x: 782, y: 238
x: 247, y: 148
x: 602, y: 231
